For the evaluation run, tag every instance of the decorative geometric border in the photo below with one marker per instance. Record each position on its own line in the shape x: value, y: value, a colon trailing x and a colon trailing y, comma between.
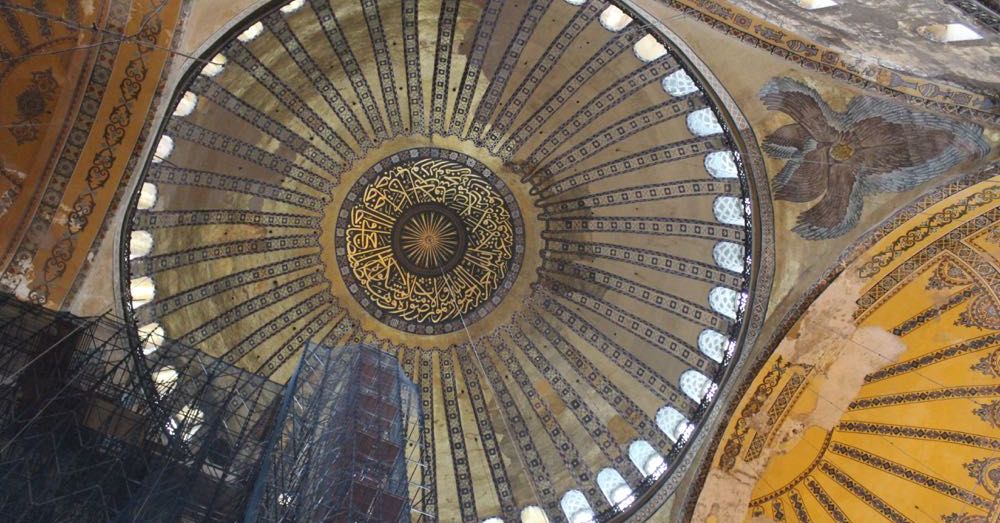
x: 353, y: 196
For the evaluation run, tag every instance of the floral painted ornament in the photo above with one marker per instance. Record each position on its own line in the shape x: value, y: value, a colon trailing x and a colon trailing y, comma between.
x: 31, y: 104
x: 838, y: 158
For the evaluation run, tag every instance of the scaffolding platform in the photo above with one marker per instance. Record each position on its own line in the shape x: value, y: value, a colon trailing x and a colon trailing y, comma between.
x: 95, y: 429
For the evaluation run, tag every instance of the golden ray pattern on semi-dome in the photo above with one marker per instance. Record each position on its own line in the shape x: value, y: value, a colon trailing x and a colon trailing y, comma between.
x: 881, y: 403
x: 537, y: 206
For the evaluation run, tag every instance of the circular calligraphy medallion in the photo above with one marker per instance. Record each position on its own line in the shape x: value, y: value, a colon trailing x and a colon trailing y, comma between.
x: 428, y: 239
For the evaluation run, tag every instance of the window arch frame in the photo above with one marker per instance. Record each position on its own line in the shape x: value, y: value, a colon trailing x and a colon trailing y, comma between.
x: 687, y: 86
x: 695, y: 384
x: 671, y: 422
x: 720, y: 299
x: 731, y: 261
x: 704, y: 123
x: 717, y: 355
x: 532, y: 513
x: 576, y: 507
x: 614, y: 18
x: 642, y: 453
x: 615, y: 489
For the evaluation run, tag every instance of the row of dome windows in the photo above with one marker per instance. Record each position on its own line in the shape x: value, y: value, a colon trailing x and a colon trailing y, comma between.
x: 614, y: 19
x: 188, y: 421
x: 574, y: 504
x: 727, y: 255
x: 613, y: 486
x: 669, y: 420
x: 725, y: 301
x: 646, y: 459
x: 702, y: 122
x: 647, y: 48
x: 728, y: 210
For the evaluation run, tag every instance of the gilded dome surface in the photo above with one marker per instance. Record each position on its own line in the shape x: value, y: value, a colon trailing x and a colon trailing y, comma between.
x: 537, y: 206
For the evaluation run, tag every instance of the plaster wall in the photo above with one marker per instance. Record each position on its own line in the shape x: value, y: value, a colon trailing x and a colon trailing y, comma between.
x: 884, y: 32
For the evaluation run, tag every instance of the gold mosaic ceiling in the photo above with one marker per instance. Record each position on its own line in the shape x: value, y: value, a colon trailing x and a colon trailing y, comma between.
x: 535, y: 205
x: 882, y: 402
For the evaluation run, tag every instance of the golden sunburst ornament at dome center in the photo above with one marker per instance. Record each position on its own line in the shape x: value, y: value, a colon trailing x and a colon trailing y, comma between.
x: 429, y: 238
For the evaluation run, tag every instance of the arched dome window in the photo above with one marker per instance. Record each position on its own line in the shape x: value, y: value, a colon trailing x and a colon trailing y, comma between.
x: 945, y: 33
x: 151, y: 335
x: 648, y: 48
x: 703, y: 123
x: 671, y: 422
x: 725, y: 301
x: 576, y: 2
x: 576, y: 508
x: 614, y: 19
x: 163, y: 149
x: 164, y: 379
x: 678, y: 84
x: 814, y: 4
x: 139, y: 244
x: 713, y: 344
x: 143, y: 291
x: 695, y: 384
x: 646, y: 459
x: 147, y: 197
x: 186, y: 105
x: 492, y: 520
x: 614, y: 487
x: 214, y: 66
x: 188, y: 420
x: 292, y: 6
x: 729, y: 256
x: 729, y: 210
x: 251, y: 32
x: 721, y: 165
x: 533, y: 514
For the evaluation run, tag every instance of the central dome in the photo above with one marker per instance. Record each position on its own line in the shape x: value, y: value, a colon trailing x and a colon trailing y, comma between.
x: 537, y: 207
x: 429, y: 240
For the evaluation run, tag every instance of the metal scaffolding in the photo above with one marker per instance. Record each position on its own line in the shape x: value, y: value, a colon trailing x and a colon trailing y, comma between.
x: 93, y: 429
x: 346, y: 448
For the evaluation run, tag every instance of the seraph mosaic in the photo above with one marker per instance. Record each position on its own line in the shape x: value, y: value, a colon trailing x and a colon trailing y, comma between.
x: 836, y: 159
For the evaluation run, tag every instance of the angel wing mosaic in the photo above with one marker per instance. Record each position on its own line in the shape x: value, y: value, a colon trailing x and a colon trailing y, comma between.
x: 835, y: 159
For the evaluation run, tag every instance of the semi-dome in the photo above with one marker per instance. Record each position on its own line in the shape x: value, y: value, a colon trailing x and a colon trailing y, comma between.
x: 537, y: 206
